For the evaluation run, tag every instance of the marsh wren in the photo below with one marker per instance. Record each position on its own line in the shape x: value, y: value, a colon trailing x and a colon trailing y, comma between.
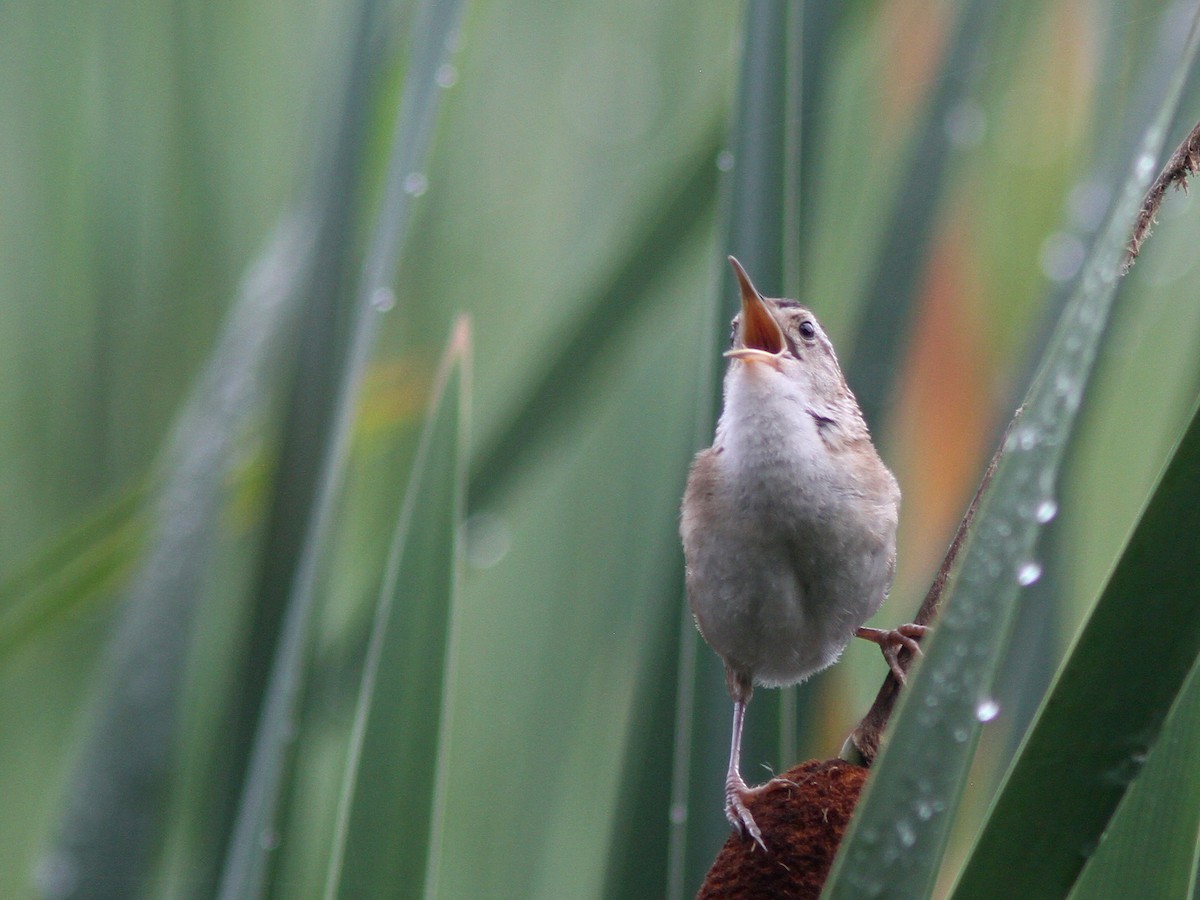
x: 789, y: 519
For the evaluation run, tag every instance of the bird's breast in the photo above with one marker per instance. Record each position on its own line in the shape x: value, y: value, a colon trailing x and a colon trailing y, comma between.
x: 795, y: 544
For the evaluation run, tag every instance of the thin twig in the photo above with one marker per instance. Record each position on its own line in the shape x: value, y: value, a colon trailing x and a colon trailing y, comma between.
x: 1184, y: 163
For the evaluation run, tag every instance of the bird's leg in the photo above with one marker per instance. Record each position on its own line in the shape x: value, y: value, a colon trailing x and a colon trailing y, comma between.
x: 891, y: 640
x: 736, y: 791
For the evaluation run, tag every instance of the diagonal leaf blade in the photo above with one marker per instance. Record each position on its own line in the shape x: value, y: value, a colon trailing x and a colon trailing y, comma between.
x: 384, y: 822
x: 1151, y: 844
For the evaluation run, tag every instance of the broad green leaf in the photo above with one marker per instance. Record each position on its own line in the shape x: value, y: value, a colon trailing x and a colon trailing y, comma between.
x: 897, y: 838
x: 1150, y: 847
x: 388, y: 811
x: 1104, y: 713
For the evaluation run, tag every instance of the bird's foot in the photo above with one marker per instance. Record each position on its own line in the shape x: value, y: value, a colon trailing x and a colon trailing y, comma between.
x: 736, y: 795
x: 892, y: 640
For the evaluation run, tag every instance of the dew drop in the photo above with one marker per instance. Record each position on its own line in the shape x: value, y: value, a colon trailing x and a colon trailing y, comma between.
x: 415, y: 184
x: 987, y: 710
x: 1145, y: 165
x: 725, y: 161
x: 1067, y: 387
x: 383, y: 299
x: 960, y: 735
x: 678, y: 813
x: 905, y: 831
x: 446, y: 76
x: 1029, y: 573
x: 1046, y: 511
x: 924, y: 811
x: 1022, y: 439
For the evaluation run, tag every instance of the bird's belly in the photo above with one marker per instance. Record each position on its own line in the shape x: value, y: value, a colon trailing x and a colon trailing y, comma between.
x: 785, y: 566
x: 764, y: 619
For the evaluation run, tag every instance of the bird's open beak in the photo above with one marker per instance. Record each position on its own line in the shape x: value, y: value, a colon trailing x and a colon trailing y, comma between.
x: 761, y: 338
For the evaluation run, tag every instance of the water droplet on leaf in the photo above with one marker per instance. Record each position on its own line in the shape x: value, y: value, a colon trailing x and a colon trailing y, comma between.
x: 383, y: 299
x: 415, y: 184
x: 447, y: 76
x: 987, y: 710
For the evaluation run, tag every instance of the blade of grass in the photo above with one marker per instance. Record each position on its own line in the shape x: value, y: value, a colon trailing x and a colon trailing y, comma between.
x: 246, y: 864
x: 1150, y: 847
x: 1107, y: 706
x: 90, y: 561
x: 384, y: 824
x: 898, y: 836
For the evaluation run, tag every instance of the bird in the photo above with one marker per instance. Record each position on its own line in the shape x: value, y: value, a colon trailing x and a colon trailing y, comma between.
x: 788, y: 520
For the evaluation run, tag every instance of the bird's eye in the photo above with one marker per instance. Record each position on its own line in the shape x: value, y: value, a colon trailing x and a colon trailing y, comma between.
x: 808, y: 330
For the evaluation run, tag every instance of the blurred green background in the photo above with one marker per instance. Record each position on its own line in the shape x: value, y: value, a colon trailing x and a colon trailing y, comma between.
x: 195, y: 411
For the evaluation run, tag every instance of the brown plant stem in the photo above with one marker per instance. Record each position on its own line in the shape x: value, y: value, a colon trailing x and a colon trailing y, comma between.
x: 1183, y: 163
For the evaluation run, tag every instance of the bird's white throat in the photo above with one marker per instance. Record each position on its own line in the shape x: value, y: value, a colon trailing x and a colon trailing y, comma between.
x: 766, y: 424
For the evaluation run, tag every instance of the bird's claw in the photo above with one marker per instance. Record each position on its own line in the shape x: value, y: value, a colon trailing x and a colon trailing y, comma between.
x: 892, y: 640
x: 738, y: 813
